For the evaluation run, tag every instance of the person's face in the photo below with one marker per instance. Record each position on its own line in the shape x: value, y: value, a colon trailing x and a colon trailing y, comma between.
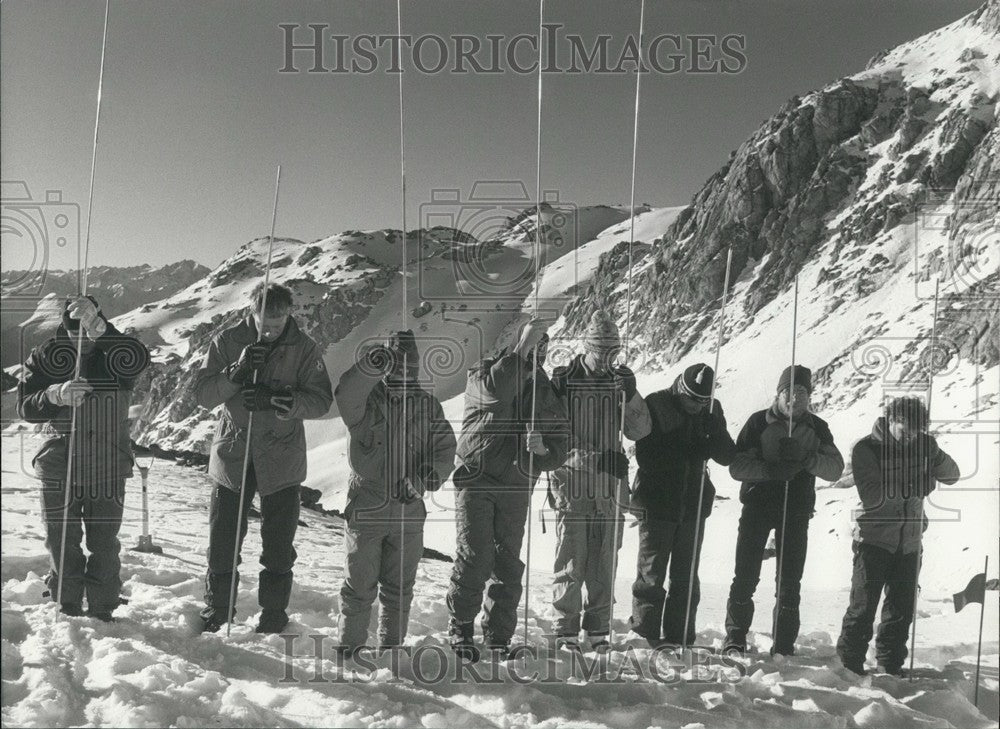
x: 692, y: 406
x: 270, y: 326
x: 86, y: 345
x: 403, y: 365
x: 603, y: 358
x: 902, y: 430
x: 799, y: 401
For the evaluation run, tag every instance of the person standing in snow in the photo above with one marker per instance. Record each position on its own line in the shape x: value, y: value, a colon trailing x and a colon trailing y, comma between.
x: 895, y: 468
x: 291, y: 386
x: 401, y: 446
x: 672, y: 459
x: 102, y: 456
x: 590, y: 491
x: 494, y: 485
x: 766, y: 460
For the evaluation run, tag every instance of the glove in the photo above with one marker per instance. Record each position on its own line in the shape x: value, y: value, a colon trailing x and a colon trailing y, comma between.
x: 257, y: 398
x: 89, y: 316
x: 614, y: 463
x: 68, y: 394
x: 251, y: 358
x: 927, y: 447
x: 782, y: 471
x: 407, y: 490
x: 625, y: 381
x: 790, y: 450
x: 283, y: 403
x: 701, y: 446
x: 535, y: 443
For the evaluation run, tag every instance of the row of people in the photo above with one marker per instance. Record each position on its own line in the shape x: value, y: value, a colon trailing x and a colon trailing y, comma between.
x: 518, y: 423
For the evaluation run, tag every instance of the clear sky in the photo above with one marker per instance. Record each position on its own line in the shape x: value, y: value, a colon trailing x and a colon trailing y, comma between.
x: 196, y: 115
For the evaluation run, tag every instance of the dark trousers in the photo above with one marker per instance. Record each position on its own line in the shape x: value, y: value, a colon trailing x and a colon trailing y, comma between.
x: 95, y: 511
x: 657, y: 612
x: 490, y: 528
x: 875, y: 570
x: 756, y: 523
x: 279, y: 518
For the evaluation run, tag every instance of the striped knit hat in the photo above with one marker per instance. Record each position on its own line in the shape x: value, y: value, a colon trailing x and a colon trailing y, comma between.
x: 601, y: 334
x: 696, y: 382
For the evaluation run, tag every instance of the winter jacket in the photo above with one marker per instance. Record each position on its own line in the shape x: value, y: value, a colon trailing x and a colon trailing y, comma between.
x: 492, y: 449
x: 892, y: 479
x: 278, y: 449
x: 672, y: 456
x: 383, y: 447
x: 594, y: 406
x: 766, y: 427
x: 102, y: 450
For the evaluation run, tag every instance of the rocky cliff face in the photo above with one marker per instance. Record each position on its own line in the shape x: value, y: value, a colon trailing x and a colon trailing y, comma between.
x: 906, y: 149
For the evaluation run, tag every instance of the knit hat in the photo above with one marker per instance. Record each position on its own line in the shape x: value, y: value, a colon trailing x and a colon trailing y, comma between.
x: 696, y: 382
x: 803, y: 376
x: 69, y: 323
x: 601, y: 334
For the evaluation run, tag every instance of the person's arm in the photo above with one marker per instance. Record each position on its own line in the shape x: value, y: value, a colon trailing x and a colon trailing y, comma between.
x: 32, y: 403
x: 943, y: 466
x: 212, y: 385
x: 442, y: 446
x: 867, y: 475
x: 828, y: 463
x: 555, y: 431
x: 638, y: 422
x: 748, y: 465
x: 721, y: 447
x: 499, y: 382
x: 312, y: 397
x: 352, y: 393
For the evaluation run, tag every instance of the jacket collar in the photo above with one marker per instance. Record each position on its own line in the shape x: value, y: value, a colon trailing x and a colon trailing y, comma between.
x: 246, y: 332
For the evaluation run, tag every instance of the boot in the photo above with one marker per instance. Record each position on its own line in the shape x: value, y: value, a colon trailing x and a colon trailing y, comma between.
x: 72, y: 609
x: 461, y: 636
x: 271, y: 621
x: 212, y: 620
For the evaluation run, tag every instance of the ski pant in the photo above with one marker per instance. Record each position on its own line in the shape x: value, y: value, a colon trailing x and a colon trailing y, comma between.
x: 875, y: 570
x: 756, y: 523
x: 657, y: 613
x: 584, y: 560
x: 94, y: 514
x: 382, y: 548
x: 279, y: 519
x: 490, y: 528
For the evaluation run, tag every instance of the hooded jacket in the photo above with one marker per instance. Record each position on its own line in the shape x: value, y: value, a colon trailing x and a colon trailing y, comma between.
x: 593, y: 404
x: 892, y: 479
x: 767, y: 426
x: 492, y: 449
x: 102, y: 451
x: 278, y: 448
x: 672, y: 456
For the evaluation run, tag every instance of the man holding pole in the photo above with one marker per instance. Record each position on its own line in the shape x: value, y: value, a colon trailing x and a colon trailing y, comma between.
x: 688, y: 429
x: 778, y: 473
x: 493, y: 485
x: 590, y: 491
x: 895, y: 468
x: 91, y: 499
x: 265, y: 366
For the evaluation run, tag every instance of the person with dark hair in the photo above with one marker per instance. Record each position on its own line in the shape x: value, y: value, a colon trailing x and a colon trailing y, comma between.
x: 590, y: 491
x: 401, y: 446
x: 267, y: 366
x: 93, y: 408
x: 686, y: 433
x: 494, y: 480
x: 895, y: 468
x: 770, y: 463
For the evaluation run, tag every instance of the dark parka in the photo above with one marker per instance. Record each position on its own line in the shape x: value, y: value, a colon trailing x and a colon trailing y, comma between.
x: 278, y: 451
x: 102, y: 446
x: 672, y: 456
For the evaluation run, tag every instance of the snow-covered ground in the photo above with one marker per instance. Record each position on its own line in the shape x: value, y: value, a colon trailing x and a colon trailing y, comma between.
x: 151, y: 668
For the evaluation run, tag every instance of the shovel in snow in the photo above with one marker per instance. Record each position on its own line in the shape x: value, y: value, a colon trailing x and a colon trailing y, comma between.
x: 146, y: 539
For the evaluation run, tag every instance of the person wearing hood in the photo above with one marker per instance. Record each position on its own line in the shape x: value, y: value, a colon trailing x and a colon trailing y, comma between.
x: 499, y: 460
x: 688, y: 429
x: 93, y: 408
x: 767, y: 461
x: 590, y: 491
x: 290, y: 385
x: 401, y: 446
x: 895, y: 469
